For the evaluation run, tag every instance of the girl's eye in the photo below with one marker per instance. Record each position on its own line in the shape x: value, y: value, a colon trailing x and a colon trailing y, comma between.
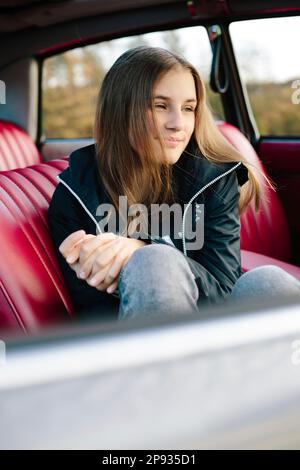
x: 164, y: 106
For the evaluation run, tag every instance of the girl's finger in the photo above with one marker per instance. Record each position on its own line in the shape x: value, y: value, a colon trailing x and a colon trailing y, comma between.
x: 87, y: 267
x: 66, y: 246
x: 74, y: 252
x: 98, y: 241
x: 112, y: 287
x: 105, y: 256
x: 98, y: 277
x: 116, y: 266
x: 109, y: 280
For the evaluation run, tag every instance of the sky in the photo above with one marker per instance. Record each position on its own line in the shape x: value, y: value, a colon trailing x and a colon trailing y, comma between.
x: 275, y: 45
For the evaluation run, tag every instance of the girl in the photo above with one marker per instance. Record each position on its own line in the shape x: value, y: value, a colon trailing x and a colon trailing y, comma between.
x: 157, y: 146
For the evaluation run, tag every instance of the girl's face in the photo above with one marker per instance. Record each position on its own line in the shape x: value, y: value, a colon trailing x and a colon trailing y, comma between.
x: 174, y: 103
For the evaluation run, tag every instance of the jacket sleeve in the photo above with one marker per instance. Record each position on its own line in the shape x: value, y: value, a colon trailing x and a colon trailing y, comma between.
x: 217, y: 266
x: 66, y: 216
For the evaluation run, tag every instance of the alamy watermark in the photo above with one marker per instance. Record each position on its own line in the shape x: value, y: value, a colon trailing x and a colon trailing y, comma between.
x: 296, y: 94
x: 165, y: 220
x: 2, y: 92
x: 2, y: 353
x: 295, y: 356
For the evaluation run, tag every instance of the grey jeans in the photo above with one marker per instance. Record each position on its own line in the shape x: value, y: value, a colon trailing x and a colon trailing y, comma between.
x: 157, y: 281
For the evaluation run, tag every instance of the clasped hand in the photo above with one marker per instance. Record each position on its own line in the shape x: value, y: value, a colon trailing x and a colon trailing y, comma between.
x: 98, y: 259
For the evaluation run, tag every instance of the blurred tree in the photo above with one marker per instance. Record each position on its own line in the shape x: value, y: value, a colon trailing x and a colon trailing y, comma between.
x: 71, y: 83
x: 273, y: 109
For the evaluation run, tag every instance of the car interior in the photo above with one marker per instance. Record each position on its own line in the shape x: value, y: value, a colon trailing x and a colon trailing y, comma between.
x: 32, y: 290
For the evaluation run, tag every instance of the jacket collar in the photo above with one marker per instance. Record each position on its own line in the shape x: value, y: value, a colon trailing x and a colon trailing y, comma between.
x: 193, y: 171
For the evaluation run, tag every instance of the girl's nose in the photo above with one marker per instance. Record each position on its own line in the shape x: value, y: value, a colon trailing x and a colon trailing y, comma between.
x: 175, y: 121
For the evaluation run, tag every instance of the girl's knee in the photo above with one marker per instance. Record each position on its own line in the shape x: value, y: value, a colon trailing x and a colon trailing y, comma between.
x: 146, y: 258
x: 154, y: 254
x: 267, y: 281
x: 155, y: 249
x: 270, y: 273
x: 156, y: 264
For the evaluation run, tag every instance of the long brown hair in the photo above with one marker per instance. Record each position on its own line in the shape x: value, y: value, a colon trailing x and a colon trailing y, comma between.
x: 121, y: 119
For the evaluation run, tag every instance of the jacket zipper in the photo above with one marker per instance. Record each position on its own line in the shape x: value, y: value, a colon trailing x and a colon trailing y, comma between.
x: 196, y: 195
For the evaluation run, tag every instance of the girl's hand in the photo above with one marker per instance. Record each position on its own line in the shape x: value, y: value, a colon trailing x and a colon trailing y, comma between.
x: 98, y: 258
x: 71, y: 246
x: 100, y: 264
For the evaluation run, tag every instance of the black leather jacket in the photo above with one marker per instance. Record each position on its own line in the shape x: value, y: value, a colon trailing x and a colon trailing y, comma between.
x: 198, y: 183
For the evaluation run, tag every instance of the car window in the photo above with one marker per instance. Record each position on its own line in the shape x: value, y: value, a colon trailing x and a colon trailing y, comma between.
x: 268, y: 60
x: 71, y: 80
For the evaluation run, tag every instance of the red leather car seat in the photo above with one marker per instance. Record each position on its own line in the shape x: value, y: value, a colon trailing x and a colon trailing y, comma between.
x: 32, y: 290
x: 265, y: 233
x: 17, y: 150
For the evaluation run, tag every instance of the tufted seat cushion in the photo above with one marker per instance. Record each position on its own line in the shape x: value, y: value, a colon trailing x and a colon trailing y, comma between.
x: 17, y: 150
x: 32, y: 290
x: 265, y: 232
x: 265, y: 237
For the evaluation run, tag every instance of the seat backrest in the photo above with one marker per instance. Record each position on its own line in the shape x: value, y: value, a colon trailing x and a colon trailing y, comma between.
x: 32, y: 290
x: 17, y: 150
x: 265, y: 232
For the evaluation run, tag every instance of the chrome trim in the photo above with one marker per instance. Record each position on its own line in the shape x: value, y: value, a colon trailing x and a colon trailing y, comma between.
x: 81, y: 357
